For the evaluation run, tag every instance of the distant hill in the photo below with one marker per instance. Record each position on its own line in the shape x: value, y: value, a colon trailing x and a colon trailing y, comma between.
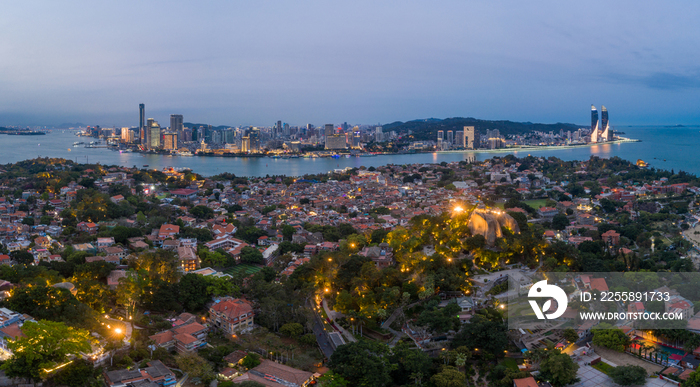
x: 191, y: 125
x: 426, y: 129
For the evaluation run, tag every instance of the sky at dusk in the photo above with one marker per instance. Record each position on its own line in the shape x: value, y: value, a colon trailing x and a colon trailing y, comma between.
x: 363, y: 62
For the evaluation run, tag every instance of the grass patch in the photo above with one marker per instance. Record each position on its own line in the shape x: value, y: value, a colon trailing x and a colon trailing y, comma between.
x: 510, y: 363
x: 245, y: 269
x: 603, y: 367
x: 536, y: 203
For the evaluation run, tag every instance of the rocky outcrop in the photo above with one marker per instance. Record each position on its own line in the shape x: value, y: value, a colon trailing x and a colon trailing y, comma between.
x: 488, y: 224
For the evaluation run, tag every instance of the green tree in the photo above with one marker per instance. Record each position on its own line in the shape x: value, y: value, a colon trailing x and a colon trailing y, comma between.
x: 202, y: 212
x: 560, y: 221
x: 486, y: 334
x: 559, y: 369
x: 195, y: 366
x: 408, y: 362
x: 570, y: 335
x: 449, y: 377
x: 611, y: 338
x: 331, y: 379
x: 363, y: 363
x: 288, y: 231
x: 251, y: 360
x: 22, y: 256
x: 628, y: 375
x: 251, y: 255
x: 292, y: 329
x: 79, y: 373
x: 44, y: 345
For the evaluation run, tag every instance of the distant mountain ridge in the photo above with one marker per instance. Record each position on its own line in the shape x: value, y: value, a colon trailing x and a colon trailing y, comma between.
x: 220, y: 127
x: 426, y: 129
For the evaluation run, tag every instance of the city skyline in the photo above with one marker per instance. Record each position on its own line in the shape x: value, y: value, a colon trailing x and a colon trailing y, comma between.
x: 253, y: 64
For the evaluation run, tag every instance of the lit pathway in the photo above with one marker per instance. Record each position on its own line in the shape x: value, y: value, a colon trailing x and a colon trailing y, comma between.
x: 333, y: 315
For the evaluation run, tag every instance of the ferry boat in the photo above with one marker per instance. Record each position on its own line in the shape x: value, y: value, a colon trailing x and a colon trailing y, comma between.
x: 185, y: 153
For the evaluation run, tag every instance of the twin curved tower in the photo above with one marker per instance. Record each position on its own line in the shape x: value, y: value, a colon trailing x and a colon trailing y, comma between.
x: 600, y: 131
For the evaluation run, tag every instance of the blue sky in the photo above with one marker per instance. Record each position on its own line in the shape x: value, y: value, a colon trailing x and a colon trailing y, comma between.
x: 254, y: 62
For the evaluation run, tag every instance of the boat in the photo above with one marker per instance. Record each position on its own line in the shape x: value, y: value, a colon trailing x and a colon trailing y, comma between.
x: 186, y: 153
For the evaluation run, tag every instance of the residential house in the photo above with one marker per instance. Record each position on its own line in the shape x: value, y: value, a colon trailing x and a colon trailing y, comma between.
x: 168, y: 231
x: 232, y: 315
x: 382, y: 255
x: 88, y: 227
x: 272, y: 374
x: 156, y: 372
x: 188, y: 258
x: 103, y: 243
x: 182, y: 338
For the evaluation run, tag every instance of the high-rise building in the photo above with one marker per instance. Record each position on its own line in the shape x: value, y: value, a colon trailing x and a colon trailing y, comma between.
x: 142, y: 122
x: 378, y: 134
x: 471, y: 137
x: 594, y: 124
x: 170, y: 141
x: 356, y: 139
x: 605, y: 125
x: 254, y: 136
x: 127, y: 136
x: 285, y: 129
x: 335, y: 142
x: 176, y: 126
x: 328, y: 130
x: 278, y: 129
x: 459, y: 138
x: 153, y: 134
x: 603, y: 118
x: 147, y: 133
x: 245, y: 144
x: 450, y: 137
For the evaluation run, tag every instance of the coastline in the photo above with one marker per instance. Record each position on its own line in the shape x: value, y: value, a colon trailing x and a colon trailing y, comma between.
x: 538, y: 148
x: 499, y: 150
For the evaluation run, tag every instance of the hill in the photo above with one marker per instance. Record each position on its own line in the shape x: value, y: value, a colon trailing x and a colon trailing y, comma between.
x: 191, y: 125
x: 426, y: 129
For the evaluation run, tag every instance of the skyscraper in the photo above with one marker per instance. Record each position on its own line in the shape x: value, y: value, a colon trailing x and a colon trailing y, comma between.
x: 603, y: 118
x: 450, y: 137
x: 170, y: 141
x: 278, y: 129
x: 142, y: 121
x: 176, y: 126
x: 459, y: 138
x: 153, y: 134
x: 471, y: 137
x: 594, y: 124
x: 605, y: 125
x: 328, y: 130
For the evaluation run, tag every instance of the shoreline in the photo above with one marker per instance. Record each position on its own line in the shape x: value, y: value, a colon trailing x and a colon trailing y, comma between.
x: 538, y: 148
x: 499, y: 150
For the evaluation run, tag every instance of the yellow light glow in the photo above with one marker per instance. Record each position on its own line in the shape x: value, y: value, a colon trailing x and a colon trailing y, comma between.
x: 118, y: 331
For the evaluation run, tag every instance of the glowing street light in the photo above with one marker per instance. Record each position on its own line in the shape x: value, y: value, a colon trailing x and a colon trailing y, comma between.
x: 458, y: 209
x: 118, y: 331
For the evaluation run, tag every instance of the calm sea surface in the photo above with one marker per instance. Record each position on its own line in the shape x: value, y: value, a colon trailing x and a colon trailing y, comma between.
x: 662, y: 147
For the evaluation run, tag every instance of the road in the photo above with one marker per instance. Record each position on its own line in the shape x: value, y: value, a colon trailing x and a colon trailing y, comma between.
x: 322, y: 338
